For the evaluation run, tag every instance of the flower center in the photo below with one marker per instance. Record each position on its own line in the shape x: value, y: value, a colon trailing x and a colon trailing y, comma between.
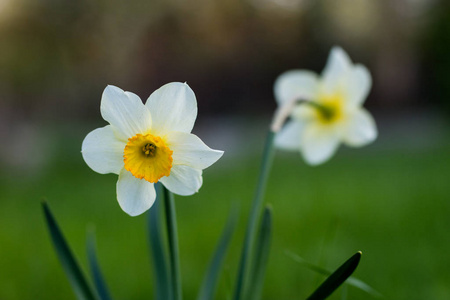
x: 149, y: 149
x: 328, y: 109
x: 147, y: 157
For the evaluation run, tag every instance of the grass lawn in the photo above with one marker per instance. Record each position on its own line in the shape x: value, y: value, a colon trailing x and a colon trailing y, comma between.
x: 392, y: 204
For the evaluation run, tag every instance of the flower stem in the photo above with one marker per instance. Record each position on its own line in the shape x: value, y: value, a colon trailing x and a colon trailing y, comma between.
x: 171, y: 221
x: 255, y: 214
x: 156, y: 231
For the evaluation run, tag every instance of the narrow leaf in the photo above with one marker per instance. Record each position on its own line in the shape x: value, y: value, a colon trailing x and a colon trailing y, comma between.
x: 261, y: 257
x: 355, y: 282
x: 73, y: 272
x: 158, y: 249
x: 337, y: 278
x: 99, y: 282
x: 209, y: 284
x: 363, y: 286
x: 245, y: 267
x: 344, y: 292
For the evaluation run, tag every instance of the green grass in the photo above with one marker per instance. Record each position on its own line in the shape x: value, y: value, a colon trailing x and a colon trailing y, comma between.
x: 393, y: 205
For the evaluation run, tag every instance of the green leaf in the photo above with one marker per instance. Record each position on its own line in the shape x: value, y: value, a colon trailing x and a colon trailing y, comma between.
x: 76, y: 278
x: 158, y: 247
x: 350, y: 281
x: 209, y: 284
x: 363, y: 286
x: 245, y: 263
x: 344, y: 292
x: 96, y: 273
x: 337, y: 278
x: 261, y: 257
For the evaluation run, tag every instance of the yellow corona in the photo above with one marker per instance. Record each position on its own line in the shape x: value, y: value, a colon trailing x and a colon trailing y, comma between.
x: 147, y: 157
x: 329, y: 109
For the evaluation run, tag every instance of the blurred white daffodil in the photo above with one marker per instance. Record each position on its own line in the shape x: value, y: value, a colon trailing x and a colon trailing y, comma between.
x: 148, y: 143
x: 324, y: 110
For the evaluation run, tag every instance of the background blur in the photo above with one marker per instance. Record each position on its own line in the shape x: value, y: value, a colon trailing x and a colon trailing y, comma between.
x: 390, y: 199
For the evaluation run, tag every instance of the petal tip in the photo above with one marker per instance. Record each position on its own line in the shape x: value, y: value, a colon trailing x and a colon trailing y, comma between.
x: 112, y: 87
x: 219, y: 153
x: 315, y: 162
x: 338, y: 50
x: 339, y: 54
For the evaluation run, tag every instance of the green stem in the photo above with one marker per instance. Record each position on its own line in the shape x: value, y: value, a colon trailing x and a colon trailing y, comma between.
x: 171, y: 221
x: 255, y: 214
x: 156, y: 231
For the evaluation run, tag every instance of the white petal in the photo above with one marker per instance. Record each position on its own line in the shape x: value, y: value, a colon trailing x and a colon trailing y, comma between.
x: 135, y: 195
x: 319, y: 143
x: 189, y: 150
x: 102, y: 151
x: 359, y: 85
x: 173, y: 107
x: 295, y: 85
x: 133, y: 97
x: 336, y: 71
x: 183, y: 180
x: 125, y: 112
x: 289, y: 136
x: 360, y: 129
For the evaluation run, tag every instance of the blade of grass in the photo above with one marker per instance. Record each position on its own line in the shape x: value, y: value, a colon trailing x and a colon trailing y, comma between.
x: 363, y: 286
x: 337, y: 278
x: 99, y: 282
x: 209, y: 284
x: 307, y: 264
x: 243, y: 276
x: 157, y: 245
x: 171, y: 221
x: 344, y: 292
x: 262, y: 247
x: 355, y: 282
x: 73, y: 272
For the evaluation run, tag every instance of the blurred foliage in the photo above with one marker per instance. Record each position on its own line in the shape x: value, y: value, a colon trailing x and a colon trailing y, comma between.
x: 437, y: 59
x: 65, y: 52
x: 391, y: 204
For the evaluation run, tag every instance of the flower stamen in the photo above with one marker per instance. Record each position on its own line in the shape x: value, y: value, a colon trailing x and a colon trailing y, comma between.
x: 149, y: 149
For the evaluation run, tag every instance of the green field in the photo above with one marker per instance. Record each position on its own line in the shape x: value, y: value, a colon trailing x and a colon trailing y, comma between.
x: 392, y: 203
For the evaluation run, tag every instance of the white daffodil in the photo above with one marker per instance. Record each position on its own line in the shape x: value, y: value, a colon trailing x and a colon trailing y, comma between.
x: 148, y: 143
x: 326, y: 110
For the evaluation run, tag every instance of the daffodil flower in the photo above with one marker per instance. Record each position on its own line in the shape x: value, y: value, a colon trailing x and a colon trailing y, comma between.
x: 326, y: 110
x: 148, y: 143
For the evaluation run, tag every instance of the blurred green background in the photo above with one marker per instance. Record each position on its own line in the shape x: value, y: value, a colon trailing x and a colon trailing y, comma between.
x: 391, y: 200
